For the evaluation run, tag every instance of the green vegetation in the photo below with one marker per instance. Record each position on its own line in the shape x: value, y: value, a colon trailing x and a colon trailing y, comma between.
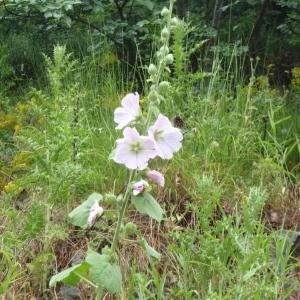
x: 231, y: 198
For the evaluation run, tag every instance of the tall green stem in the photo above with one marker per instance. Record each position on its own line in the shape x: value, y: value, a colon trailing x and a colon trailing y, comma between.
x: 161, y: 63
x: 122, y: 213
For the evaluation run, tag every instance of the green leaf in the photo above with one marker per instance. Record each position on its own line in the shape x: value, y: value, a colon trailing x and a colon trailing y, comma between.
x: 146, y: 3
x: 146, y: 204
x: 103, y: 273
x: 79, y: 215
x: 69, y: 275
x: 151, y: 252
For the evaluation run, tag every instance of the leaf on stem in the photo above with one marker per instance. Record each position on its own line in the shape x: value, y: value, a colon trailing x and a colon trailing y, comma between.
x: 103, y: 272
x: 79, y: 215
x: 146, y: 204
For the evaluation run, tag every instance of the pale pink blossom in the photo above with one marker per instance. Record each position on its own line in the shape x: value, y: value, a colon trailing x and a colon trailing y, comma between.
x: 157, y: 177
x: 95, y: 211
x: 134, y: 151
x: 139, y: 187
x: 166, y: 136
x: 129, y: 110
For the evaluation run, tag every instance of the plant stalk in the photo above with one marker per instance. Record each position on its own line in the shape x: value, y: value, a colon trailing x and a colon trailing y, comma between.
x: 122, y: 213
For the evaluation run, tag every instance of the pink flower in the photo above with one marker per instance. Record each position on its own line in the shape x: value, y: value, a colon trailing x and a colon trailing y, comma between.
x: 157, y: 177
x: 139, y: 187
x: 134, y: 151
x: 168, y: 138
x: 94, y: 212
x: 129, y: 111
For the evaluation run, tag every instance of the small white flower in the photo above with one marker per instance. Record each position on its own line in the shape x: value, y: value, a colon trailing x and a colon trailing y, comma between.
x: 95, y: 211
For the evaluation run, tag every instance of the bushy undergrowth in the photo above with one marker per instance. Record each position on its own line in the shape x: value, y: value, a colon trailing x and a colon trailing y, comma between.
x: 240, y: 155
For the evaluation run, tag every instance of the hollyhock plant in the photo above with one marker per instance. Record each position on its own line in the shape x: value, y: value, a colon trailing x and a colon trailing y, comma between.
x: 166, y: 136
x: 100, y: 270
x: 156, y: 177
x: 129, y: 111
x: 134, y: 151
x: 139, y: 187
x: 95, y: 211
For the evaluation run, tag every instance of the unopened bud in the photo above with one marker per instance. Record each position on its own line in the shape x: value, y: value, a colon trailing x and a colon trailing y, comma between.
x: 130, y: 228
x: 153, y: 96
x: 165, y: 12
x: 169, y: 59
x: 165, y: 33
x: 152, y: 70
x: 110, y: 198
x: 164, y: 86
x: 175, y: 22
x: 164, y: 50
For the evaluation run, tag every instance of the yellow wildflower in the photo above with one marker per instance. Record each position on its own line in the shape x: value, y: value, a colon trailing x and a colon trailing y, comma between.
x: 20, y: 160
x: 296, y: 77
x: 143, y: 99
x: 23, y: 107
x: 8, y: 121
x: 109, y: 59
x: 17, y: 128
x: 9, y: 187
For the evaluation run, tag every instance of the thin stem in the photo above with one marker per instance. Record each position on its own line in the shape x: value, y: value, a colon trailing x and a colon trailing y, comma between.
x: 122, y: 213
x: 99, y: 292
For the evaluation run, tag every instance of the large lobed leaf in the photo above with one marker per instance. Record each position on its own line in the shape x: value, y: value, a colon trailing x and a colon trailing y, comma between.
x: 69, y: 275
x: 103, y: 272
x: 80, y: 214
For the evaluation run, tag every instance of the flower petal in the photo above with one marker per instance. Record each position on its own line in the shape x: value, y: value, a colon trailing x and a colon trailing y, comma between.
x: 157, y: 177
x: 128, y: 112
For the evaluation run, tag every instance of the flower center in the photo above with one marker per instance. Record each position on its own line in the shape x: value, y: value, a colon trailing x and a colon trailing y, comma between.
x: 158, y: 135
x: 136, y: 147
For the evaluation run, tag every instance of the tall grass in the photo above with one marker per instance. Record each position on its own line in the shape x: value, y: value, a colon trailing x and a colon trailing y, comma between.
x: 215, y: 241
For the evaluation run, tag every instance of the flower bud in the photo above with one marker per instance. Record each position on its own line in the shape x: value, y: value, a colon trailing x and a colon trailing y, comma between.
x: 164, y: 87
x: 110, y: 198
x: 152, y: 87
x: 130, y: 228
x: 165, y: 33
x: 175, y: 22
x: 153, y: 96
x: 164, y: 50
x: 152, y: 70
x: 159, y: 55
x: 165, y: 12
x: 169, y: 59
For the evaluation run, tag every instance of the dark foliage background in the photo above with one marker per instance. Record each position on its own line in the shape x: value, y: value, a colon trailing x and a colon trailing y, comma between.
x: 268, y: 29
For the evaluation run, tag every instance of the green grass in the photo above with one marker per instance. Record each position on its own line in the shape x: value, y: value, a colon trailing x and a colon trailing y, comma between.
x: 215, y: 240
